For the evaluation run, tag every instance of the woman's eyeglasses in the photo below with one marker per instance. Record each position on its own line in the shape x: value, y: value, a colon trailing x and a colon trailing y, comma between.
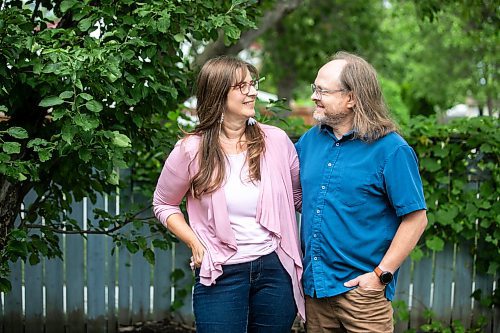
x: 245, y: 86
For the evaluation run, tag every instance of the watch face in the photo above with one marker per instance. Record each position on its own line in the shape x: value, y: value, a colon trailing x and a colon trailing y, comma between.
x: 386, y: 277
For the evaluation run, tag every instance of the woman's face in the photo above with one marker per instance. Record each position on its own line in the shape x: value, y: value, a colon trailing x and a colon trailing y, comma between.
x: 241, y: 106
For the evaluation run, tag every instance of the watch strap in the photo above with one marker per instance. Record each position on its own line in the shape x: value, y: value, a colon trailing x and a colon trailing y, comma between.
x: 378, y: 271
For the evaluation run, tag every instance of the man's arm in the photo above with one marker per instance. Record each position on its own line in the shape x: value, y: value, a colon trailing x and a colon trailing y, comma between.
x: 407, y: 236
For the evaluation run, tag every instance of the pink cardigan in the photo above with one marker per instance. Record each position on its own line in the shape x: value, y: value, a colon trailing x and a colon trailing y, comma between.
x: 279, y: 196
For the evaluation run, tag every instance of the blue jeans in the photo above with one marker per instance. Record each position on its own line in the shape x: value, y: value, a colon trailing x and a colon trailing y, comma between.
x: 254, y: 297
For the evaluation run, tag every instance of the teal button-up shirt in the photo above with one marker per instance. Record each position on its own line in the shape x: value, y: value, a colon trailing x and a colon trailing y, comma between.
x: 354, y: 195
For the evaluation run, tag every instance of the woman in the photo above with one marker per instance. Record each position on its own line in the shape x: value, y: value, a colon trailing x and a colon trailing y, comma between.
x: 239, y: 178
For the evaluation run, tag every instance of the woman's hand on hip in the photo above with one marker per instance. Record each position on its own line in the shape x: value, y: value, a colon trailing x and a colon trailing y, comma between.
x: 198, y: 252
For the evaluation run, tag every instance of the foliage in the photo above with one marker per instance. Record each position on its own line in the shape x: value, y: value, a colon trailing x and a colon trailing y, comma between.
x: 277, y: 113
x: 401, y: 313
x: 456, y: 326
x: 438, y: 52
x: 441, y: 52
x: 86, y: 88
x: 304, y: 40
x: 461, y: 179
x: 392, y: 93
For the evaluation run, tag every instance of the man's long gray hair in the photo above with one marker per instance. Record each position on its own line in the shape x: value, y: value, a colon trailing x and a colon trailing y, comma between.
x: 371, y: 115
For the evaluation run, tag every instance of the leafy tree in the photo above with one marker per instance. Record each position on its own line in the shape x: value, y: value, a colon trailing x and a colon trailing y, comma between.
x: 87, y: 87
x: 305, y: 39
x: 440, y: 52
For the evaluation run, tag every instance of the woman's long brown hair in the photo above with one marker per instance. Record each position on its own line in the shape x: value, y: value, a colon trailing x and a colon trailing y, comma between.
x: 212, y: 87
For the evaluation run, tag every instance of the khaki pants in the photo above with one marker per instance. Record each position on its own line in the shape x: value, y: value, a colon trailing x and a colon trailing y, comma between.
x: 355, y: 311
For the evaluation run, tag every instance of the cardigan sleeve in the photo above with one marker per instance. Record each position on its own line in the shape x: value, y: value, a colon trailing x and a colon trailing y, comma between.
x: 173, y: 183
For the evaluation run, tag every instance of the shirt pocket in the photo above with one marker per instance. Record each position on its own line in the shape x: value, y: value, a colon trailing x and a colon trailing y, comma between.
x: 353, y: 189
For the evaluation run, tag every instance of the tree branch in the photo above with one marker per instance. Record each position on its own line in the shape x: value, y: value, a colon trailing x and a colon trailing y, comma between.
x: 268, y: 21
x: 90, y: 231
x: 87, y: 231
x: 37, y: 5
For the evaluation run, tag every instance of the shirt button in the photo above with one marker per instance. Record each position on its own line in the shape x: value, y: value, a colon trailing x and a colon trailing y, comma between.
x: 318, y: 211
x: 315, y: 235
x: 315, y: 258
x: 329, y: 164
x: 337, y: 144
x: 323, y: 187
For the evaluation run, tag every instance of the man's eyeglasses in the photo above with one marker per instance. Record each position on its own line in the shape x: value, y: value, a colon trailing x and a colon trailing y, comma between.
x: 320, y: 92
x: 245, y: 86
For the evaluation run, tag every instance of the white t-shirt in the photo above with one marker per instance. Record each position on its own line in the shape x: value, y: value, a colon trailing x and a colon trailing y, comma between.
x: 242, y: 196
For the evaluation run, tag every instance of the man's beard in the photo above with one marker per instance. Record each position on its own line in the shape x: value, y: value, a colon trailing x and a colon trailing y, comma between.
x: 332, y: 120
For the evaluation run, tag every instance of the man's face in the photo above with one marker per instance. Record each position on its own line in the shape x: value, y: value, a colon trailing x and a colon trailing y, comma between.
x: 333, y: 105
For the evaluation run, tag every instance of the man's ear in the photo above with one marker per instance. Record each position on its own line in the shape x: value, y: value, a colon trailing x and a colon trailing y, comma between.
x: 351, y: 102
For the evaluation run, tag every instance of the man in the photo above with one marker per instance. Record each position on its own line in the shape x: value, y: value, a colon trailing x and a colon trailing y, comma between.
x: 363, y: 204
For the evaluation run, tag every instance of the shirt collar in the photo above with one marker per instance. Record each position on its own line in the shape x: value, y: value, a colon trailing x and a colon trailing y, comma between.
x: 329, y: 130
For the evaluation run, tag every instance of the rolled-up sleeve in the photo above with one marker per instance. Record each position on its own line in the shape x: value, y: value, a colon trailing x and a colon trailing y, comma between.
x: 173, y: 184
x: 402, y: 181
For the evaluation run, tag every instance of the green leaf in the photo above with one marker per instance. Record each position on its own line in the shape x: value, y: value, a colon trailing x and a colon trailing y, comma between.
x: 86, y: 96
x: 3, y: 108
x: 177, y: 274
x: 52, y: 68
x: 85, y: 24
x: 121, y: 140
x: 67, y: 4
x: 34, y: 259
x: 44, y: 155
x: 78, y: 84
x: 164, y: 23
x: 131, y: 246
x: 446, y: 215
x: 68, y: 132
x: 113, y: 178
x: 66, y: 94
x: 59, y: 113
x: 430, y: 164
x: 84, y: 155
x: 37, y: 142
x: 94, y: 106
x: 238, y: 2
x: 11, y: 147
x: 179, y: 37
x: 493, y: 268
x: 4, y: 157
x: 417, y: 254
x: 18, y: 132
x: 161, y: 244
x: 149, y: 255
x: 435, y: 243
x: 50, y: 101
x: 86, y: 122
x: 232, y: 32
x: 5, y: 285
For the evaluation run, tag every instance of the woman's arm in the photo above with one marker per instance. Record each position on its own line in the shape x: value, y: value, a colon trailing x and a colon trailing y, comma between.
x: 173, y: 184
x: 295, y: 173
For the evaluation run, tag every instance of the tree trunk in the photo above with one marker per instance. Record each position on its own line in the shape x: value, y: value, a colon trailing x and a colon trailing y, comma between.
x: 286, y: 82
x: 11, y: 196
x: 489, y: 103
x: 269, y: 20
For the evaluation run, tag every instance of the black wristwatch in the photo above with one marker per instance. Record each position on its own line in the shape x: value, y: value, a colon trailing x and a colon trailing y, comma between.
x: 385, y: 277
